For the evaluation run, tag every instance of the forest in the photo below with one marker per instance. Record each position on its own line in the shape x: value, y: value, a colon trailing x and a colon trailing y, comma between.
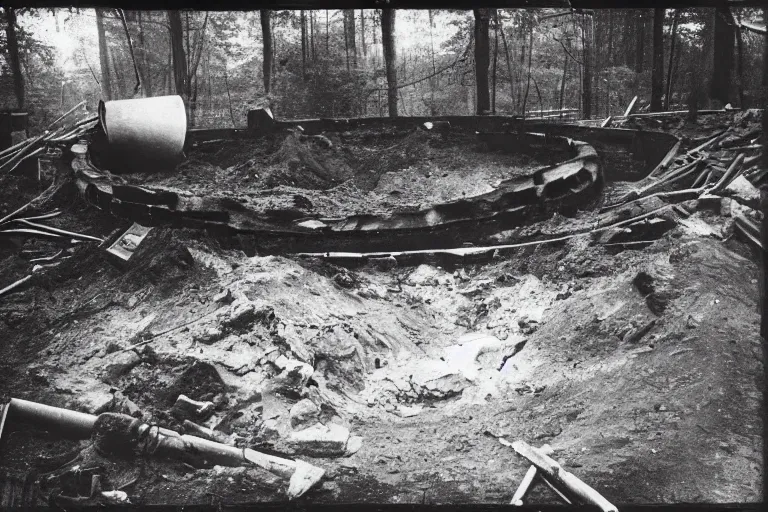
x: 544, y: 63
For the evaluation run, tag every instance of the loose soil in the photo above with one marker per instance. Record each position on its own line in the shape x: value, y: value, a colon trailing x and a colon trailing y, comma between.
x: 363, y: 172
x: 642, y: 368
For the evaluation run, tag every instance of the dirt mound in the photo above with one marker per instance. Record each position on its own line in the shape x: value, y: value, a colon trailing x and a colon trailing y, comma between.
x: 307, y: 164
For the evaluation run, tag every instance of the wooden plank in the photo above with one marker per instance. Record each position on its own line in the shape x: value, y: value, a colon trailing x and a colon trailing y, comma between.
x: 562, y: 478
x: 631, y: 107
x: 607, y: 122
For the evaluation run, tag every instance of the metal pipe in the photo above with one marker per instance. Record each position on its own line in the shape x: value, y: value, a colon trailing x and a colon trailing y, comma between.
x: 77, y: 425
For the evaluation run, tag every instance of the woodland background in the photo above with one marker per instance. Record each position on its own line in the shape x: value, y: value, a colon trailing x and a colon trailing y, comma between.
x: 344, y: 63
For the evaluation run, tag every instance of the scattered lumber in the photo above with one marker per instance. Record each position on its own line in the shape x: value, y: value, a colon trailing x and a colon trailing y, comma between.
x: 525, y: 484
x: 562, y: 478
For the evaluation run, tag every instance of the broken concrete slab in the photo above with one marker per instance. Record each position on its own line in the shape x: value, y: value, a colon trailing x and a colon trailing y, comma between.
x: 321, y: 440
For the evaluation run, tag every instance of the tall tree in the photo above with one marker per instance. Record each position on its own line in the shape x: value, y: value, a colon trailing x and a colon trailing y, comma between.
x: 303, y: 45
x: 266, y: 38
x: 482, y: 60
x: 673, y: 38
x: 639, y: 41
x: 720, y: 85
x: 146, y: 71
x: 177, y: 51
x: 390, y: 57
x: 587, y: 35
x: 13, y: 55
x: 106, y: 82
x: 657, y: 70
x: 362, y: 33
x: 349, y: 19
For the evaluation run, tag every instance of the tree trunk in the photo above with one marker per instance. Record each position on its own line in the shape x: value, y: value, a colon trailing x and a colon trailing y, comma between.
x: 509, y: 64
x: 346, y: 40
x: 740, y: 62
x: 327, y: 32
x: 495, y: 57
x: 562, y: 82
x: 657, y: 71
x: 433, y: 79
x: 146, y: 78
x: 349, y: 38
x: 13, y: 56
x: 530, y: 62
x: 266, y: 38
x: 312, y: 35
x: 303, y: 45
x: 587, y: 78
x: 118, y: 75
x: 639, y: 41
x: 106, y: 82
x: 362, y: 33
x: 720, y: 85
x: 482, y: 60
x: 673, y: 37
x: 609, y: 66
x: 630, y: 29
x: 390, y: 57
x: 177, y: 50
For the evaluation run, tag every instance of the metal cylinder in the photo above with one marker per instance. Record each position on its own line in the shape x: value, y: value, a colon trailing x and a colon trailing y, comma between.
x: 72, y: 424
x: 145, y: 134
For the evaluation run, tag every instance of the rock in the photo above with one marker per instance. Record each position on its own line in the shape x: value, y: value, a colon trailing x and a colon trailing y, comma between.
x: 424, y: 275
x: 186, y: 408
x: 320, y: 440
x: 243, y: 313
x: 353, y: 445
x: 303, y: 414
x: 209, y: 335
x: 294, y: 376
x: 118, y: 365
x: 125, y: 405
x: 742, y: 191
x: 95, y: 401
x: 344, y: 280
x: 224, y: 297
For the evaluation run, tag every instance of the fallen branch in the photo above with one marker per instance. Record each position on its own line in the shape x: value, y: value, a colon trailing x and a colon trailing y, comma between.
x: 15, y: 285
x: 44, y: 196
x: 29, y: 232
x: 47, y: 258
x: 58, y: 231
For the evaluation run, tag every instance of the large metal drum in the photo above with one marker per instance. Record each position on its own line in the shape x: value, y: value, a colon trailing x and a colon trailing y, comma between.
x: 145, y: 134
